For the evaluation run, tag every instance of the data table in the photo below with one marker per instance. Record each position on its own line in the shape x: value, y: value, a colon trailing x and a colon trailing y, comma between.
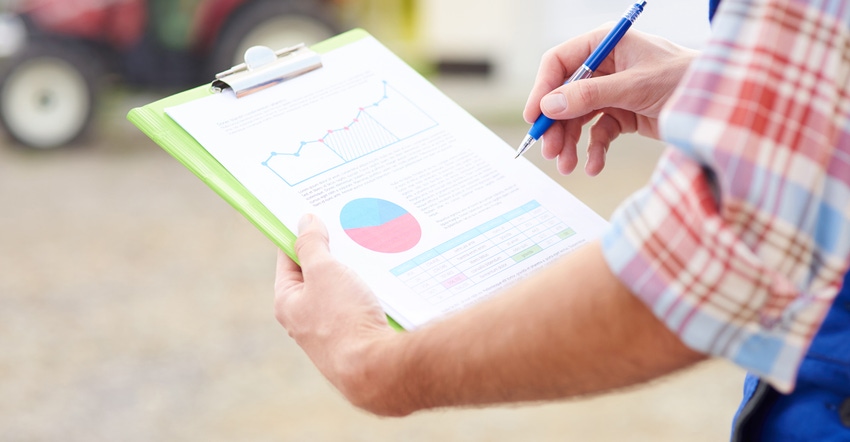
x: 474, y: 257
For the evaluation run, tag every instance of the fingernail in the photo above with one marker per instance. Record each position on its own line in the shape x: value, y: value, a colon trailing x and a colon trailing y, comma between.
x: 304, y: 222
x: 554, y: 103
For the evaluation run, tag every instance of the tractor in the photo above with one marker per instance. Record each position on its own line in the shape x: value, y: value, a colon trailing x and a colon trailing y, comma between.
x: 58, y: 56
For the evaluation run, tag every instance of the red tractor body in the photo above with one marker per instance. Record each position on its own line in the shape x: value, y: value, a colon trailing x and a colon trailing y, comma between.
x: 52, y: 80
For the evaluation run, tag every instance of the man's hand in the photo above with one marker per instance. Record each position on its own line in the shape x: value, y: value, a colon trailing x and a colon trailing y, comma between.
x: 571, y: 329
x: 628, y: 90
x: 331, y: 314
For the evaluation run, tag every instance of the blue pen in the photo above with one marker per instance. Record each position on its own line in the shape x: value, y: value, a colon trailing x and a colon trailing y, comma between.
x: 542, y: 124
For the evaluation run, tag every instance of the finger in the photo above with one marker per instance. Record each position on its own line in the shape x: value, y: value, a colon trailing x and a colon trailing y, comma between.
x: 554, y: 141
x: 567, y: 161
x: 558, y: 144
x: 573, y: 127
x: 602, y: 133
x: 288, y: 279
x: 583, y: 97
x: 556, y: 66
x: 562, y: 136
x: 288, y: 273
x: 550, y: 75
x: 311, y: 247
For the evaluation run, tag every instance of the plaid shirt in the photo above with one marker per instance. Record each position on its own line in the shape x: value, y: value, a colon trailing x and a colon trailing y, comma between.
x: 741, y: 239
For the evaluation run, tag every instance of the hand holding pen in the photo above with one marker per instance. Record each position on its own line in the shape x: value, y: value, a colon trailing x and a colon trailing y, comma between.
x: 629, y: 90
x: 607, y: 44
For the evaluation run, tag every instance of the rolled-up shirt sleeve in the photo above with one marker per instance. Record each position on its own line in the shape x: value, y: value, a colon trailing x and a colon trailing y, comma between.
x: 740, y: 241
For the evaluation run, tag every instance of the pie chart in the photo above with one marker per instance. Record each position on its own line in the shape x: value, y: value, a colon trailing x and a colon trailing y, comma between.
x: 380, y: 225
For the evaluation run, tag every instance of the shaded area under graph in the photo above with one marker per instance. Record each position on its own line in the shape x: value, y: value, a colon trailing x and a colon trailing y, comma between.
x: 377, y: 125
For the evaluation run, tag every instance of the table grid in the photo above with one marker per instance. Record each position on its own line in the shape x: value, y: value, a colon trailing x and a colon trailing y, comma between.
x: 480, y: 253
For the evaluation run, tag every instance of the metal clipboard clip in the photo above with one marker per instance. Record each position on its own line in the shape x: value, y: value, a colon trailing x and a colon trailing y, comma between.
x: 264, y: 68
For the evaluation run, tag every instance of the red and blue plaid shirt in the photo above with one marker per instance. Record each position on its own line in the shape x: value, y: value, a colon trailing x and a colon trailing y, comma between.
x: 740, y: 242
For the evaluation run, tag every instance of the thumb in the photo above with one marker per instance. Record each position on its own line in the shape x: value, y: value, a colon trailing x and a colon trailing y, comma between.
x: 583, y: 97
x: 312, y: 243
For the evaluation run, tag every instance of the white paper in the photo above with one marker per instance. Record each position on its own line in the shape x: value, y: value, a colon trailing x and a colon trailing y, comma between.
x: 424, y: 202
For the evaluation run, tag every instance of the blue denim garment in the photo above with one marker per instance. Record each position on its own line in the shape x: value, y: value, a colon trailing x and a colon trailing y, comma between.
x: 819, y: 407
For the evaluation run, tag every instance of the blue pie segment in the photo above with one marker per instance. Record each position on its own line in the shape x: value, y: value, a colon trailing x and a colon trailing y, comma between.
x: 380, y: 225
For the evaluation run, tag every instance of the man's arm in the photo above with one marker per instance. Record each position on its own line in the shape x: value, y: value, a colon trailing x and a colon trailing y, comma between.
x: 571, y: 329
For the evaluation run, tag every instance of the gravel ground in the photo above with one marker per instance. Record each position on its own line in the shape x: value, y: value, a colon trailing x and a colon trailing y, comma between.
x: 135, y: 305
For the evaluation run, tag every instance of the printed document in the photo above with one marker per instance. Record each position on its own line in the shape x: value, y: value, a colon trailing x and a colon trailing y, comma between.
x: 424, y: 202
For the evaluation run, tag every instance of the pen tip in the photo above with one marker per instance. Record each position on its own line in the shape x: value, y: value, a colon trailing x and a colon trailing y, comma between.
x: 526, y: 143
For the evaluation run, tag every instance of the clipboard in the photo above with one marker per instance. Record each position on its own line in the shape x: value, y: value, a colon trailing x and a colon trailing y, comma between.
x: 152, y: 120
x: 417, y: 138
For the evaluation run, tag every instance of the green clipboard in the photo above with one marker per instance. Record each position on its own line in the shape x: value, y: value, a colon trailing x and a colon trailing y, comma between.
x: 152, y: 120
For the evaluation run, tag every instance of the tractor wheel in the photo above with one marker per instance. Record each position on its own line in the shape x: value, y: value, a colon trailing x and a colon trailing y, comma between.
x: 47, y: 95
x: 273, y: 23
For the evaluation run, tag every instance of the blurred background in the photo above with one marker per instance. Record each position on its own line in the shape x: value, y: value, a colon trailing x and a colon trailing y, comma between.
x: 135, y: 305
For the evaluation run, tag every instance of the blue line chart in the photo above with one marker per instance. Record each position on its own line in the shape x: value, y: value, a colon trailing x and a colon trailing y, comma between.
x: 375, y: 126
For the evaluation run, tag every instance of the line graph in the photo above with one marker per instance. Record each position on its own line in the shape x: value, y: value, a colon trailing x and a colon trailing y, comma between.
x: 381, y: 123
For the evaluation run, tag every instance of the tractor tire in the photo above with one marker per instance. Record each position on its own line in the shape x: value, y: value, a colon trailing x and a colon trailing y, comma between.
x: 273, y: 23
x: 48, y: 93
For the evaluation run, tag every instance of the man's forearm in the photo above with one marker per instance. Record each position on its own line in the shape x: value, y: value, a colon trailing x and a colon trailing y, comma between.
x: 572, y: 329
